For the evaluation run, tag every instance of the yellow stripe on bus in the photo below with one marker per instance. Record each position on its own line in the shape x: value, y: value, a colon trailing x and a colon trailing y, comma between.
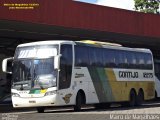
x: 121, y: 89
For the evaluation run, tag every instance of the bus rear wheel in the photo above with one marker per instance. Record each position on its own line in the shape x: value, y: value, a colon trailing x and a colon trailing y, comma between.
x: 132, y: 100
x: 40, y: 109
x: 140, y: 98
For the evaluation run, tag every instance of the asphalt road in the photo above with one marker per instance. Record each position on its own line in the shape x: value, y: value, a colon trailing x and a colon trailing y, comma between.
x: 148, y: 111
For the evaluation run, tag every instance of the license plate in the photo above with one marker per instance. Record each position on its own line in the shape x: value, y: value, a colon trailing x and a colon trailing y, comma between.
x: 32, y: 101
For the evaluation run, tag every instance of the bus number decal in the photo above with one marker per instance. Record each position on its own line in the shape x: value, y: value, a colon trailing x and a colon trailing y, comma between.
x: 148, y: 75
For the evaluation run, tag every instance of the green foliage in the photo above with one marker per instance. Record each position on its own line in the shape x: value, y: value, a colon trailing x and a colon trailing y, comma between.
x: 147, y: 6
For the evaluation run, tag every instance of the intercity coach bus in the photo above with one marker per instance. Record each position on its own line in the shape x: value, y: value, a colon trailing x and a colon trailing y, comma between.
x: 74, y: 73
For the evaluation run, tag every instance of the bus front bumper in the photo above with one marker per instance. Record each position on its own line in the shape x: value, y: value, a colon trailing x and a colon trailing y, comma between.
x: 34, y: 102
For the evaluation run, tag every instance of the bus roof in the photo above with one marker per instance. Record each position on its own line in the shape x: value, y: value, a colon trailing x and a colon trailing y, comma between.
x: 99, y: 43
x: 48, y: 42
x: 86, y: 43
x: 110, y: 45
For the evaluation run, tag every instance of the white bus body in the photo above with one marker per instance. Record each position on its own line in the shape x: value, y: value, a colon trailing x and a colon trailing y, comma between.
x: 73, y: 74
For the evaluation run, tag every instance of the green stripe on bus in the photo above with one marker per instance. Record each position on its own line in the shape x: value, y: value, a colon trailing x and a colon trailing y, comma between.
x: 106, y: 85
x: 101, y: 84
x: 97, y: 84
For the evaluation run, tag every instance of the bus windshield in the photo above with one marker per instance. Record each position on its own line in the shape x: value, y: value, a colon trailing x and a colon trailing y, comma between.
x: 34, y: 70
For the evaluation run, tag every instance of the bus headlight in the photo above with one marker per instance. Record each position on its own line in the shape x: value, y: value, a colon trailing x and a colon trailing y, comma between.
x: 50, y: 93
x: 15, y: 95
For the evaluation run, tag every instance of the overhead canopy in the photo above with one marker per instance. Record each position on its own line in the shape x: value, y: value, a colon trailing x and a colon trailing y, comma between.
x: 67, y: 19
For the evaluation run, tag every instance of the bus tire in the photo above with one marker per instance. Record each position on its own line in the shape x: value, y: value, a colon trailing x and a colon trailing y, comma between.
x: 140, y: 98
x: 132, y: 99
x: 40, y: 109
x: 79, y: 101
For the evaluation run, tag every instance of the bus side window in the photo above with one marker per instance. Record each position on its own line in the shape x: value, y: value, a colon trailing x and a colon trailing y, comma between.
x: 99, y: 57
x: 81, y: 56
x: 105, y: 60
x: 108, y: 58
x: 131, y: 59
x: 148, y: 61
x: 92, y: 56
x: 65, y: 66
x: 120, y: 59
x: 112, y: 58
x: 95, y: 56
x: 140, y: 59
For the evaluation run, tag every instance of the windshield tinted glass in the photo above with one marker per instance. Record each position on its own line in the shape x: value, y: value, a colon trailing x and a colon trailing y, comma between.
x: 44, y: 73
x: 37, y: 73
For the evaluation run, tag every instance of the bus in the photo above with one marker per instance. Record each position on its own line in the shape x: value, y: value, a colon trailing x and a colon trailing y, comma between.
x: 157, y: 78
x: 74, y: 73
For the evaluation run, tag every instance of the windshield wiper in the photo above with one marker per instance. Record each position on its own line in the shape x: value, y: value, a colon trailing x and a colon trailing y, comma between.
x: 21, y: 88
x: 20, y: 83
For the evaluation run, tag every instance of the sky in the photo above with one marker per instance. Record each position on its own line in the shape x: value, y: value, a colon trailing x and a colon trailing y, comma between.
x: 124, y: 4
x: 89, y: 1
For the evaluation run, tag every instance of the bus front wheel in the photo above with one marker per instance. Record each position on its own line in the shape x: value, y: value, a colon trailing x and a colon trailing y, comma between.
x: 78, y: 104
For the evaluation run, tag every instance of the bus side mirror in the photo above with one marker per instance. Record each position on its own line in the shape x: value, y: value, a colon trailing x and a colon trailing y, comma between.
x: 56, y: 62
x: 7, y: 65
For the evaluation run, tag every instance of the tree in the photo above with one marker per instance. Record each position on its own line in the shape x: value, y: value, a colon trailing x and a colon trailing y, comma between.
x: 147, y: 6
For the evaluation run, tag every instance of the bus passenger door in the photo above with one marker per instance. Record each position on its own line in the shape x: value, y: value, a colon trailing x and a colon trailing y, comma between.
x: 65, y: 73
